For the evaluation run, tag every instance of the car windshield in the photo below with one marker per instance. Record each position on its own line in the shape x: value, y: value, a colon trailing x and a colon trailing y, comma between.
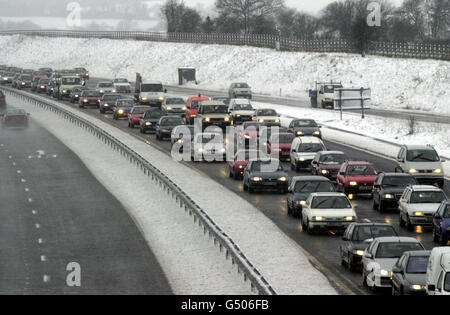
x: 266, y: 165
x: 363, y: 233
x: 333, y: 158
x: 396, y: 249
x: 398, y: 181
x: 266, y: 112
x: 105, y: 84
x: 213, y: 109
x: 282, y: 138
x: 427, y: 155
x: 171, y: 121
x: 111, y: 97
x: 120, y: 81
x: 139, y: 110
x: 175, y: 101
x: 427, y: 197
x: 241, y: 85
x: 311, y: 147
x: 153, y: 114
x: 330, y: 88
x: 91, y: 94
x: 361, y: 170
x: 15, y: 112
x: 242, y: 107
x: 313, y: 186
x: 26, y: 77
x: 44, y: 81
x: 417, y: 264
x: 304, y: 123
x: 331, y: 202
x: 151, y: 88
x: 71, y: 81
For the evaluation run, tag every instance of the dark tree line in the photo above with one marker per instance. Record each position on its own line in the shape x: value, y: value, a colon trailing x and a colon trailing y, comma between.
x: 414, y: 20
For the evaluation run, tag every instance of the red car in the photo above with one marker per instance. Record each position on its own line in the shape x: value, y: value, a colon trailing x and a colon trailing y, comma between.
x: 356, y: 177
x: 42, y: 85
x: 239, y: 162
x: 249, y: 132
x: 192, y: 108
x: 279, y: 145
x: 15, y: 118
x: 89, y: 98
x: 135, y: 115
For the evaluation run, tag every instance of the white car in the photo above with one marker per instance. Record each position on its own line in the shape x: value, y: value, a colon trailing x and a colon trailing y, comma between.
x: 208, y: 146
x: 173, y: 105
x: 381, y: 256
x: 438, y: 272
x: 267, y: 116
x: 418, y: 204
x: 240, y: 110
x: 327, y: 210
x: 105, y: 88
x: 122, y: 85
x: 304, y: 150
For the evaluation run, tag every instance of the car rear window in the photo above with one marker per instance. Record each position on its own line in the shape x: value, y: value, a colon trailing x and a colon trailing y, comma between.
x: 363, y: 233
x: 396, y: 250
x: 417, y: 264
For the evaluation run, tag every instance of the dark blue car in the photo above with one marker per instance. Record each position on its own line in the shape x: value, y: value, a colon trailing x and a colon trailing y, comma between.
x: 441, y: 223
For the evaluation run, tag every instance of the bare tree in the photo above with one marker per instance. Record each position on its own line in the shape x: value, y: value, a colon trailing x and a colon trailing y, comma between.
x: 438, y: 14
x: 173, y: 11
x: 246, y: 10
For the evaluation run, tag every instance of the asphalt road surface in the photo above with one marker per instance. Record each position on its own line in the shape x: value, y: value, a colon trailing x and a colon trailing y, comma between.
x: 323, y: 247
x: 54, y: 212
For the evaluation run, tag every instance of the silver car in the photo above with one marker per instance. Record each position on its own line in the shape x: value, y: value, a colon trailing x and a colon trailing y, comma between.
x: 173, y: 105
x: 240, y: 90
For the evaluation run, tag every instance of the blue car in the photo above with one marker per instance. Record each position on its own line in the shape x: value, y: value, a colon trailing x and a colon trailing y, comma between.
x: 441, y: 223
x: 122, y: 107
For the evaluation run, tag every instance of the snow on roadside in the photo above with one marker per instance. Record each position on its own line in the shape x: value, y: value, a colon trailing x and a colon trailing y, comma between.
x: 190, y: 261
x: 395, y: 82
x: 276, y: 256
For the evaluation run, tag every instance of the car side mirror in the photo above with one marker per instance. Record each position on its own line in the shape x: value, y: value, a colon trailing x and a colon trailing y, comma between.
x: 368, y: 255
x: 314, y: 162
x: 400, y: 160
x: 344, y: 238
x: 377, y: 186
x: 342, y: 174
x: 165, y: 90
x: 397, y: 269
x: 443, y: 161
x: 294, y: 151
x: 431, y: 287
x: 320, y: 127
x: 437, y: 216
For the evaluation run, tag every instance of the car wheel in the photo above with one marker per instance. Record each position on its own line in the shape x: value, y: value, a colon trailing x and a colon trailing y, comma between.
x: 435, y: 236
x: 351, y: 266
x: 374, y: 205
x: 245, y: 187
x: 309, y: 229
x: 381, y: 206
x: 237, y: 176
x: 289, y: 209
x: 408, y: 224
x: 343, y: 262
x: 444, y: 240
x: 364, y: 280
x: 230, y: 173
x: 401, y: 221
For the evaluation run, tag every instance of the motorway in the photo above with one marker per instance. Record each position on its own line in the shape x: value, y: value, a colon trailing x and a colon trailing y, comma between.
x: 54, y: 212
x: 323, y: 247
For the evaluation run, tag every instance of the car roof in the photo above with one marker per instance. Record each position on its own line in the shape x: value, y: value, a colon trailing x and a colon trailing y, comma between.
x: 330, y: 152
x: 396, y: 174
x: 328, y: 194
x: 397, y: 239
x: 359, y: 163
x: 211, y: 103
x: 420, y: 253
x: 419, y: 146
x: 310, y: 178
x: 309, y: 139
x: 424, y: 188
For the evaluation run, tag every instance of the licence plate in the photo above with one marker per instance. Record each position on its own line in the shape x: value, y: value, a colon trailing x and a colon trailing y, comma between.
x: 365, y: 188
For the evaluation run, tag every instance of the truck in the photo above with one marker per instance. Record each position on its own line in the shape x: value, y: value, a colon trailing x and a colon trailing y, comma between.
x: 148, y: 92
x: 438, y: 272
x: 323, y: 94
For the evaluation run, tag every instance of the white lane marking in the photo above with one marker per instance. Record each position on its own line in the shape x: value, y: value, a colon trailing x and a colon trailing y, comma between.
x: 27, y: 189
x: 43, y: 258
x: 40, y: 241
x: 37, y: 225
x: 23, y: 180
x: 19, y: 172
x: 10, y: 157
x: 30, y: 200
x: 34, y: 212
x: 46, y: 278
x: 14, y: 164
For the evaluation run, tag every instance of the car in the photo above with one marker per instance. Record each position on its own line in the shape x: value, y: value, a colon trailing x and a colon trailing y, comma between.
x: 265, y: 132
x: 89, y: 98
x: 388, y: 189
x: 34, y: 83
x: 24, y: 81
x: 208, y: 146
x: 182, y: 133
x: 65, y: 85
x: 75, y: 94
x: 422, y: 162
x: 81, y: 72
x: 122, y: 85
x: 47, y: 71
x: 409, y: 274
x: 248, y: 133
x: 438, y: 272
x: 328, y: 163
x: 166, y: 124
x: 279, y: 145
x: 263, y: 174
x: 173, y: 105
x: 7, y: 77
x: 15, y: 118
x: 381, y: 256
x: 304, y: 150
x: 223, y: 99
x: 356, y: 178
x: 149, y: 119
x: 135, y: 115
x: 267, y: 116
x: 357, y: 237
x: 305, y: 127
x: 238, y: 163
x: 213, y: 114
x: 441, y: 224
x: 192, y: 104
x: 122, y: 107
x: 301, y: 187
x: 240, y: 90
x: 2, y: 102
x: 418, y: 205
x: 240, y: 110
x: 107, y: 102
x: 327, y: 211
x: 42, y: 85
x: 149, y: 92
x: 15, y: 80
x: 105, y: 88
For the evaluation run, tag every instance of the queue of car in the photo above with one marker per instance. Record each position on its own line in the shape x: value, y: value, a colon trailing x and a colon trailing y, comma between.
x: 322, y: 200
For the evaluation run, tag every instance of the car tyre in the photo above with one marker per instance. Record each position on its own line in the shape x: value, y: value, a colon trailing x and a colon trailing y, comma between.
x: 309, y: 229
x: 444, y: 240
x: 401, y: 221
x: 436, y: 238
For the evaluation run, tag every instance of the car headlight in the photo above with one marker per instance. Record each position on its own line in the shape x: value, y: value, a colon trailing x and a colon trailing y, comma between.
x: 64, y: 91
x: 106, y: 105
x: 302, y: 159
x: 353, y: 183
x: 256, y: 179
x: 316, y: 133
x: 416, y: 287
x: 207, y: 119
x: 241, y: 166
x: 318, y: 218
x: 42, y: 86
x: 227, y: 118
x: 412, y: 171
x: 247, y: 136
x: 184, y: 107
x: 385, y: 273
x: 5, y: 79
x: 23, y: 83
x: 101, y: 91
x: 350, y: 219
x: 114, y: 91
x: 165, y: 130
x: 301, y: 202
x: 358, y: 252
x: 437, y: 171
x: 277, y: 120
x: 149, y: 124
x: 324, y: 172
x: 282, y: 179
x: 120, y: 111
x: 222, y: 150
x: 201, y: 150
x: 388, y: 196
x: 161, y: 98
x: 169, y: 108
x: 418, y: 214
x: 261, y: 120
x: 299, y: 133
x: 238, y: 115
x: 144, y: 98
x: 85, y: 100
x: 180, y: 140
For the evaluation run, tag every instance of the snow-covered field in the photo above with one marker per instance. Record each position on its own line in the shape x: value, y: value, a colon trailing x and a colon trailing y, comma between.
x: 276, y: 256
x: 395, y: 83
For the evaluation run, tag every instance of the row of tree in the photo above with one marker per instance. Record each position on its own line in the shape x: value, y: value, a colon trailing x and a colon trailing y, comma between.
x: 414, y: 20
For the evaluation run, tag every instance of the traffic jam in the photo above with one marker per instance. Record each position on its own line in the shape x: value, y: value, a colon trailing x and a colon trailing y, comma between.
x: 322, y: 187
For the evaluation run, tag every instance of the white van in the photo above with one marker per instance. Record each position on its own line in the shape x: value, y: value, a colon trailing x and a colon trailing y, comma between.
x: 438, y: 272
